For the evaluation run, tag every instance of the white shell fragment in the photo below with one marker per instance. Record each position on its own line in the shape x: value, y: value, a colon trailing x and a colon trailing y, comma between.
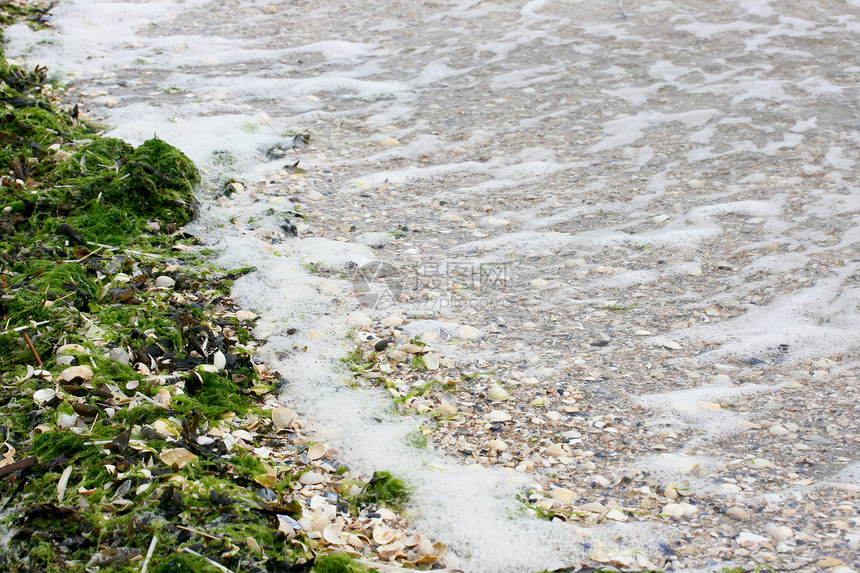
x: 468, y: 332
x: 333, y: 533
x: 219, y: 361
x: 563, y: 495
x: 179, y: 456
x: 311, y: 478
x: 63, y: 482
x: 283, y: 417
x: 243, y: 315
x: 431, y: 361
x: 66, y: 420
x: 44, y: 395
x: 667, y: 343
x: 73, y: 372
x: 498, y: 416
x: 384, y: 535
x: 748, y: 539
x: 358, y: 318
x: 317, y: 451
x: 497, y: 394
x: 557, y: 450
x: 678, y: 510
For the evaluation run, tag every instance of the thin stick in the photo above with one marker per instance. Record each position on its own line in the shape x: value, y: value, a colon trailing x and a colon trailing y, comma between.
x: 149, y: 553
x: 26, y: 326
x: 32, y: 349
x: 88, y: 255
x: 212, y: 537
x: 214, y: 564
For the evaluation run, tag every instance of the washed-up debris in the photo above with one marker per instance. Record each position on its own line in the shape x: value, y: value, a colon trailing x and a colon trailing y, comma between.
x: 139, y: 429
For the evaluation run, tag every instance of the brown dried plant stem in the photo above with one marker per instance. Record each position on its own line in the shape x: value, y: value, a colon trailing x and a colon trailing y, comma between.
x: 32, y: 349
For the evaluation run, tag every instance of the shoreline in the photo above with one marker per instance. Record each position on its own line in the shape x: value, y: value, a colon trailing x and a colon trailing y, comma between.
x: 133, y: 414
x: 669, y: 363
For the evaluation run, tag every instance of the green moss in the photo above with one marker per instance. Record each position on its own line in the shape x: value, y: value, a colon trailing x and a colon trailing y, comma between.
x: 216, y: 396
x: 416, y: 439
x: 337, y: 563
x: 49, y: 445
x: 384, y: 489
x: 183, y: 563
x: 108, y: 191
x: 141, y: 415
x: 107, y: 225
x: 418, y: 363
x: 157, y: 180
x: 43, y: 280
x: 247, y: 466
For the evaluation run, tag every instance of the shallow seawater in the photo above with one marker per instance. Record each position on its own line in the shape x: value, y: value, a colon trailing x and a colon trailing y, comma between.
x: 653, y: 204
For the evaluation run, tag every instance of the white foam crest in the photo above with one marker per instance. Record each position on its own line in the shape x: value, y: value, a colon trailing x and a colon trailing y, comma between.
x: 816, y: 322
x: 627, y: 130
x: 87, y: 32
x: 693, y: 408
x: 840, y: 158
x: 333, y: 255
x: 477, y: 503
x: 847, y: 478
x: 199, y: 136
x: 687, y: 404
x: 519, y: 79
x: 437, y: 71
x: 709, y: 30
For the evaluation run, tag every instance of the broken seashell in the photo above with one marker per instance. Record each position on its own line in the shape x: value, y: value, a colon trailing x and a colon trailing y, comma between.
x: 384, y: 535
x: 333, y: 533
x: 311, y: 478
x: 468, y: 332
x: 164, y: 428
x: 252, y: 544
x: 413, y: 348
x: 498, y: 416
x: 497, y: 445
x: 358, y: 318
x: 391, y: 551
x: 66, y: 348
x: 243, y: 315
x: 678, y: 510
x: 562, y: 495
x: 66, y: 420
x: 557, y: 450
x: 76, y: 372
x: 497, y: 394
x: 162, y: 398
x: 64, y: 481
x: 283, y: 417
x: 179, y: 456
x: 748, y: 539
x: 44, y: 395
x: 431, y: 361
x: 219, y: 361
x: 317, y: 451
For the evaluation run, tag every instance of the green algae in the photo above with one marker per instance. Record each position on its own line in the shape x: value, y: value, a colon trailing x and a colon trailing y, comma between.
x: 384, y: 489
x: 184, y: 563
x: 337, y: 563
x: 76, y: 205
x: 49, y: 445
